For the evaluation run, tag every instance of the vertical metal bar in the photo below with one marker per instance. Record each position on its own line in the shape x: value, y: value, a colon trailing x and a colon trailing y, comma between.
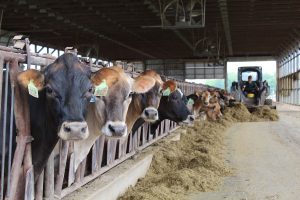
x: 29, y: 185
x: 101, y: 150
x: 63, y: 155
x: 1, y: 77
x: 39, y: 187
x: 4, y: 131
x: 10, y: 137
x: 22, y: 120
x: 1, y: 80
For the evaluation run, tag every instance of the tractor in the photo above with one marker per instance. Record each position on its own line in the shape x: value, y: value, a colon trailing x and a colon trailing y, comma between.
x: 262, y: 90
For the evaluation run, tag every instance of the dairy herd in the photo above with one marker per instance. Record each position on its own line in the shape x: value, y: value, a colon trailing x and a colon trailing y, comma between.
x: 69, y: 102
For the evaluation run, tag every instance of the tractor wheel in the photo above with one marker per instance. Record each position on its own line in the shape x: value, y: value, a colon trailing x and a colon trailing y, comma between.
x: 268, y: 102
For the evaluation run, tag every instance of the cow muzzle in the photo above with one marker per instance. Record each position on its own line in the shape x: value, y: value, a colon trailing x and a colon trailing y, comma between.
x: 73, y: 131
x: 150, y: 114
x: 114, y: 129
x: 189, y: 120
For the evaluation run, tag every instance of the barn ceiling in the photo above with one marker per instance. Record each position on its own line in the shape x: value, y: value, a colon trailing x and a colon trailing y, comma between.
x: 119, y: 29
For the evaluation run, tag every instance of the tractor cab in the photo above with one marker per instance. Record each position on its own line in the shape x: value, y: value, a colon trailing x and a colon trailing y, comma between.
x: 254, y: 93
x: 243, y: 74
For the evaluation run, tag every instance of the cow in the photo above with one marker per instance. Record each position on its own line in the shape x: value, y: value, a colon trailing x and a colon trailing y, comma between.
x: 213, y: 111
x: 228, y: 99
x: 107, y: 115
x: 145, y: 105
x: 200, y: 101
x: 216, y: 98
x: 206, y: 96
x: 172, y: 106
x: 197, y: 101
x: 61, y: 93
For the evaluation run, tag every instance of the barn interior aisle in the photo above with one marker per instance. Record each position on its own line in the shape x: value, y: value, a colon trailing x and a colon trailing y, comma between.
x: 265, y: 159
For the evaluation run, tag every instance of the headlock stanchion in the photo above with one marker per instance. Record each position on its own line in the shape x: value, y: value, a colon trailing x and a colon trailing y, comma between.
x: 59, y: 178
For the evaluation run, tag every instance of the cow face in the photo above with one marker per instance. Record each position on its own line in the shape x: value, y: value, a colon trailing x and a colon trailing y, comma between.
x: 66, y: 88
x: 213, y: 111
x: 149, y: 101
x: 173, y: 103
x: 112, y: 104
x: 206, y: 97
x: 194, y: 104
x: 214, y: 96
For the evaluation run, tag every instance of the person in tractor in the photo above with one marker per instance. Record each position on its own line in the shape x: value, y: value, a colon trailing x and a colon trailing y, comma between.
x: 250, y: 87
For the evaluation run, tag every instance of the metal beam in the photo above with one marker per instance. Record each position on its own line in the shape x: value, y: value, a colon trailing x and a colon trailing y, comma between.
x: 153, y: 8
x: 112, y: 21
x: 225, y: 21
x: 86, y: 29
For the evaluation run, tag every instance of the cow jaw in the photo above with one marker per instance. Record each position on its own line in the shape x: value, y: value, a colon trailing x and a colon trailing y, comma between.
x: 150, y: 114
x: 73, y: 131
x: 117, y: 129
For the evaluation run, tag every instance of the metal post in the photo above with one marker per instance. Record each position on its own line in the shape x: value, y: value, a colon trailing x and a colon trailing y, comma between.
x: 225, y: 76
x: 4, y: 131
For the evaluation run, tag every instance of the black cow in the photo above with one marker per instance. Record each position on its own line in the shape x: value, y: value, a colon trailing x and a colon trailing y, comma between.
x: 59, y: 111
x: 172, y: 106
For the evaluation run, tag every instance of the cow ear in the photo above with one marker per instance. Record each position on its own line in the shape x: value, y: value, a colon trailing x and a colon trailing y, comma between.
x: 143, y: 84
x: 31, y: 76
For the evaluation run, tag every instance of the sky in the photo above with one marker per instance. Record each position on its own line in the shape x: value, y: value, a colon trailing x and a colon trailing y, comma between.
x: 267, y: 66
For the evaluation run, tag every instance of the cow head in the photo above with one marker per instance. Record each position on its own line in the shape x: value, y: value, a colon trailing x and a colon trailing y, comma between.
x: 206, y: 97
x: 173, y: 103
x: 149, y: 101
x: 214, y: 96
x: 66, y: 88
x: 194, y: 103
x: 112, y: 101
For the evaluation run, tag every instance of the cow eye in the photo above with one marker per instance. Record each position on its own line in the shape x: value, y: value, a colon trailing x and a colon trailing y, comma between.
x: 90, y: 89
x: 130, y: 94
x: 49, y: 90
x: 160, y: 92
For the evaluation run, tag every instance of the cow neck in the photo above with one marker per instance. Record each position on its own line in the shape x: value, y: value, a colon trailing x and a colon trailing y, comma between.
x: 95, y: 122
x: 44, y: 128
x: 134, y: 111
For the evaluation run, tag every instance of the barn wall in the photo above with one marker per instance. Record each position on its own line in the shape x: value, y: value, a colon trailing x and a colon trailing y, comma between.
x: 187, y: 69
x: 289, y: 77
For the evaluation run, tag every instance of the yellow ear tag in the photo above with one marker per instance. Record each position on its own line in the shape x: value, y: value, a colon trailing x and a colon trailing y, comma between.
x: 167, y: 92
x: 32, y: 89
x: 101, y: 89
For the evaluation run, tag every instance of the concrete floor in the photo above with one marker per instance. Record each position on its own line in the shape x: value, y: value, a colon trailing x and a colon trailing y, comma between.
x: 265, y: 157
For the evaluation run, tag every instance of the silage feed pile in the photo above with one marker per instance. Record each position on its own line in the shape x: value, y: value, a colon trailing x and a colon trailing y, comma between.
x: 239, y: 113
x: 195, y: 162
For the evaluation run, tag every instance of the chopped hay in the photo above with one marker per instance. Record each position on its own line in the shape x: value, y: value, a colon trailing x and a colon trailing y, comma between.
x: 196, y: 162
x: 266, y: 113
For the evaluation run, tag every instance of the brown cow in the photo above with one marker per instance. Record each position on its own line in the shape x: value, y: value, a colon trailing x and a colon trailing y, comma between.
x: 145, y: 105
x: 108, y: 114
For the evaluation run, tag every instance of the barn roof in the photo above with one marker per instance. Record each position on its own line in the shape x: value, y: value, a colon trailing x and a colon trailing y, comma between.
x: 121, y: 29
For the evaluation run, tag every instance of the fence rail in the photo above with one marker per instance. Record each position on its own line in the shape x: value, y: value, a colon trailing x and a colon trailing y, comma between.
x: 57, y: 179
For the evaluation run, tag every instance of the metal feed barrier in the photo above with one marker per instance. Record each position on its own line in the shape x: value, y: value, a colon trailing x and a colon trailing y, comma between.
x: 57, y: 179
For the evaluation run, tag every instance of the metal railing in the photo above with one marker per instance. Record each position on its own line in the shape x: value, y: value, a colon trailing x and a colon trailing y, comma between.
x: 57, y: 179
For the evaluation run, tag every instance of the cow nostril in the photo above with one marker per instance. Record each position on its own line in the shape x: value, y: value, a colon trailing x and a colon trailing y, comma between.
x: 155, y: 114
x: 111, y: 128
x: 146, y: 113
x: 83, y: 130
x: 67, y: 129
